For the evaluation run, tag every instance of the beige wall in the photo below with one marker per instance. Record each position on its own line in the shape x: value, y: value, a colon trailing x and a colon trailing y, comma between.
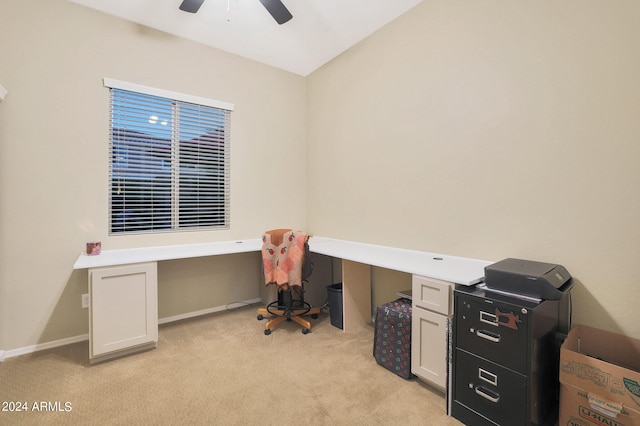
x: 54, y: 158
x: 491, y: 129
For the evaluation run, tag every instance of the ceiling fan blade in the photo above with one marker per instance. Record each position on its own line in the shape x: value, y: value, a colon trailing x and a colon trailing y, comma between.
x: 191, y: 6
x: 278, y: 10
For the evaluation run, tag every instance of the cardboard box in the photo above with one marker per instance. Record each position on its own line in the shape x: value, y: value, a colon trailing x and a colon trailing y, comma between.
x: 599, y: 379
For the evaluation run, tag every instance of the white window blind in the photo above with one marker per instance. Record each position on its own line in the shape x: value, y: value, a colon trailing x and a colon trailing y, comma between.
x: 169, y: 168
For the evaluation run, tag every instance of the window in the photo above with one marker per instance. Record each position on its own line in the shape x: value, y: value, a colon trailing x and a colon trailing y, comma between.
x: 169, y: 161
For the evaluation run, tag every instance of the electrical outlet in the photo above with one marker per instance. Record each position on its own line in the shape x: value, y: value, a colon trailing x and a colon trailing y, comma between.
x: 85, y: 301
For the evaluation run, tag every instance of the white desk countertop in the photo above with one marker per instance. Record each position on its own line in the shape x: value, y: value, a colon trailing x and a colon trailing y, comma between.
x: 153, y: 254
x: 459, y: 270
x: 455, y: 269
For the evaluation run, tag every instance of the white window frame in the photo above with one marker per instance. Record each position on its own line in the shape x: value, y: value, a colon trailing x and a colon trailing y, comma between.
x: 205, y: 200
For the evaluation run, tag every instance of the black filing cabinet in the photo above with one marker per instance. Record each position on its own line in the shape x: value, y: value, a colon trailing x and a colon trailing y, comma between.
x: 506, y: 353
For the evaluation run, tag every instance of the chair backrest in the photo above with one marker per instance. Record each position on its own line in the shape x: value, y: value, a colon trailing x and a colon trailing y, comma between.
x: 307, y: 265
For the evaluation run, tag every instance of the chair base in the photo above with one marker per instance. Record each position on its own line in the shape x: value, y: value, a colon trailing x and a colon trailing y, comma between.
x: 280, y: 315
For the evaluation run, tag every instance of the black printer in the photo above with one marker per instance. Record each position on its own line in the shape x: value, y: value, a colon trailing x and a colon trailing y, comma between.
x: 539, y: 280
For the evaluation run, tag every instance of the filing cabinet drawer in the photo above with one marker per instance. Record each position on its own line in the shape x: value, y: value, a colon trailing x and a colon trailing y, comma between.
x: 490, y: 390
x: 494, y: 330
x: 432, y: 294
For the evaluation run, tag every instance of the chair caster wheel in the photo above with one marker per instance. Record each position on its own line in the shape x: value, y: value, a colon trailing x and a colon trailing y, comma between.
x: 260, y: 317
x: 267, y: 332
x: 305, y: 330
x: 314, y: 316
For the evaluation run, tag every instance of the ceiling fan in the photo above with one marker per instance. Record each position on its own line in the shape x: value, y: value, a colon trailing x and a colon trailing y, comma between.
x: 275, y: 7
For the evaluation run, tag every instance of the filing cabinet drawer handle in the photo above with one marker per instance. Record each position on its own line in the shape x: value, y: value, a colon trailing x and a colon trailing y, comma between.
x: 487, y: 394
x: 492, y: 337
x: 488, y: 318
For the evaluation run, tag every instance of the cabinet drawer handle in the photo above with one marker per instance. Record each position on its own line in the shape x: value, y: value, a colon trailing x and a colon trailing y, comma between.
x: 492, y: 337
x: 487, y: 394
x: 488, y: 318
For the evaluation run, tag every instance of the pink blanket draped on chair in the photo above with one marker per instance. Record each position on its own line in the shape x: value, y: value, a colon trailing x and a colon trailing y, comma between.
x: 283, y: 256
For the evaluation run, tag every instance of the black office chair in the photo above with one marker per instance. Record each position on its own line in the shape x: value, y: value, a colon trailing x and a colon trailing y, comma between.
x: 287, y: 264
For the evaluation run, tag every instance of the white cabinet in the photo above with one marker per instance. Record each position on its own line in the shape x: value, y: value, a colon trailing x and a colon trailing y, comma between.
x: 123, y: 310
x: 432, y: 304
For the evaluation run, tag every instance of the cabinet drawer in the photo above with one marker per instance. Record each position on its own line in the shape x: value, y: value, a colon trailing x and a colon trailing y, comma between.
x: 493, y: 330
x: 490, y: 389
x: 432, y: 294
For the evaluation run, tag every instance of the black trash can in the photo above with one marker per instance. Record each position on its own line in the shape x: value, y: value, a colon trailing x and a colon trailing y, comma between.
x: 335, y: 304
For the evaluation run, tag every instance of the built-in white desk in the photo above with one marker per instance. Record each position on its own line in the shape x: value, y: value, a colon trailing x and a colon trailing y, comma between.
x: 433, y: 278
x: 459, y: 270
x: 134, y: 270
x: 123, y: 293
x: 357, y: 259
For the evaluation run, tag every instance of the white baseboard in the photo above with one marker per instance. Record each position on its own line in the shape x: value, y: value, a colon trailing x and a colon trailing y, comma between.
x: 43, y: 346
x: 230, y: 306
x: 69, y: 340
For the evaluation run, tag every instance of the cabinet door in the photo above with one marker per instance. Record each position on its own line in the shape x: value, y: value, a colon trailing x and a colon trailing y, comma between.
x: 491, y: 390
x: 429, y: 346
x: 434, y: 295
x: 123, y: 312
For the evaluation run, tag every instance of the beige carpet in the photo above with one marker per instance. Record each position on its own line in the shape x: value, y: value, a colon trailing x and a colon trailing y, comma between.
x: 221, y: 369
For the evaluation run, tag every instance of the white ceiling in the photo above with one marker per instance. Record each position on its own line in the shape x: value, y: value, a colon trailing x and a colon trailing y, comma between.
x: 319, y: 31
